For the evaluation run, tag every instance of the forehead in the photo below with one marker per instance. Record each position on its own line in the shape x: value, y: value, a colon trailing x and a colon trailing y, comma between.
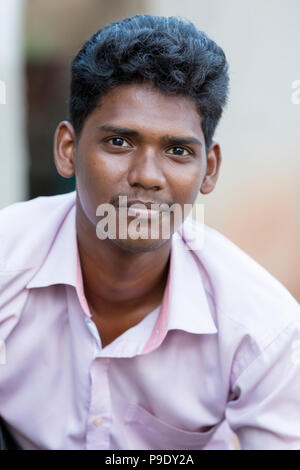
x: 147, y: 108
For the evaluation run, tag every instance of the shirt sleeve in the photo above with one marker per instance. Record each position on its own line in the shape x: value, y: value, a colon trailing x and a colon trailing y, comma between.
x: 265, y: 408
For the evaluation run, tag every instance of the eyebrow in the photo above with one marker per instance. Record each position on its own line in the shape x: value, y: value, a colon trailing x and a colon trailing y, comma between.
x: 169, y: 139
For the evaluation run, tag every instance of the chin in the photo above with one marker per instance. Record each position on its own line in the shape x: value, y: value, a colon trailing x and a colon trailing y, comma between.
x: 139, y: 245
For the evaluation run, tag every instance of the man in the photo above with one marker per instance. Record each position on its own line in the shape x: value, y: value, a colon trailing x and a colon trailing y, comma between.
x: 125, y: 342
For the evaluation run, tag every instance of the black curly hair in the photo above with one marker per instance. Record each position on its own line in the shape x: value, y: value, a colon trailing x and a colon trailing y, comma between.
x: 169, y: 52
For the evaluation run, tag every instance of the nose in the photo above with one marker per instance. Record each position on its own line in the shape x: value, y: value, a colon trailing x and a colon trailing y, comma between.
x: 145, y: 170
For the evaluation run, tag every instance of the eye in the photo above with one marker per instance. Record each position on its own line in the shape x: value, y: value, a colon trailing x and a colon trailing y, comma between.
x: 118, y: 141
x: 179, y: 151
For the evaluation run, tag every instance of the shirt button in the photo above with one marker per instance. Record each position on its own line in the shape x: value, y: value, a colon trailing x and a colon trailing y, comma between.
x: 97, y: 421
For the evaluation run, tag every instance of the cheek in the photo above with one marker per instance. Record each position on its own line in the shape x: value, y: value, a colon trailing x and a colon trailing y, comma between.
x: 188, y: 186
x: 92, y: 185
x: 94, y: 171
x: 102, y: 169
x: 99, y: 178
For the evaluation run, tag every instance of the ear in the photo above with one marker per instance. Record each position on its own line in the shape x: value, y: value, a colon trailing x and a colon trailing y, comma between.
x: 214, y: 159
x: 64, y: 149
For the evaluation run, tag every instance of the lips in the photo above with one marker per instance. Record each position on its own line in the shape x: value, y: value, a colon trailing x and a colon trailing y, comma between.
x: 144, y: 209
x: 141, y: 204
x: 143, y: 213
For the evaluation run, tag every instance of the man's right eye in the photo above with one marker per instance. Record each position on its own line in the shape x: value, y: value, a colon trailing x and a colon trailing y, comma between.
x: 119, y: 141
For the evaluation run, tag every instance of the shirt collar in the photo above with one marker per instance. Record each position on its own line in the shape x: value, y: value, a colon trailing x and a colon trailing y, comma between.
x: 189, y: 308
x: 59, y: 266
x: 184, y: 305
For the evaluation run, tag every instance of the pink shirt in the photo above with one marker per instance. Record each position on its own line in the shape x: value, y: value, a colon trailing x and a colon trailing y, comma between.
x: 221, y: 353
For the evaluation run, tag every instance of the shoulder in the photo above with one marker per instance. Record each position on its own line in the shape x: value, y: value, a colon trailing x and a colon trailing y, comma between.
x: 246, y: 296
x: 28, y: 228
x: 27, y: 231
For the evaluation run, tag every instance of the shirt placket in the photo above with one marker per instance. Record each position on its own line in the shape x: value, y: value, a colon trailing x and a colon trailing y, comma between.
x: 99, y: 415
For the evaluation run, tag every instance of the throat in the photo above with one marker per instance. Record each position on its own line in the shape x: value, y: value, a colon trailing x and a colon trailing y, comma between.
x: 111, y: 326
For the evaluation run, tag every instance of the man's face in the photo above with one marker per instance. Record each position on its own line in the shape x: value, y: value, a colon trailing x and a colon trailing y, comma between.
x: 142, y: 144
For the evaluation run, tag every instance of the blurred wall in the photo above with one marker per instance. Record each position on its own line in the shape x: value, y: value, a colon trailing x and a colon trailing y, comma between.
x: 58, y: 28
x: 13, y: 145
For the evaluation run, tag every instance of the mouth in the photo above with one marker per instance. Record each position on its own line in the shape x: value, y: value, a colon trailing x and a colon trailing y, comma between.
x: 144, y: 210
x: 143, y: 213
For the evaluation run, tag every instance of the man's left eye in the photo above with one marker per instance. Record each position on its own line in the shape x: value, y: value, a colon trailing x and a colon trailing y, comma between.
x: 179, y: 151
x: 119, y: 141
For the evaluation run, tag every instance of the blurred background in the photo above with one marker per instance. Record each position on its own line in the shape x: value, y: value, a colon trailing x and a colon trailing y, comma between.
x: 256, y: 200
